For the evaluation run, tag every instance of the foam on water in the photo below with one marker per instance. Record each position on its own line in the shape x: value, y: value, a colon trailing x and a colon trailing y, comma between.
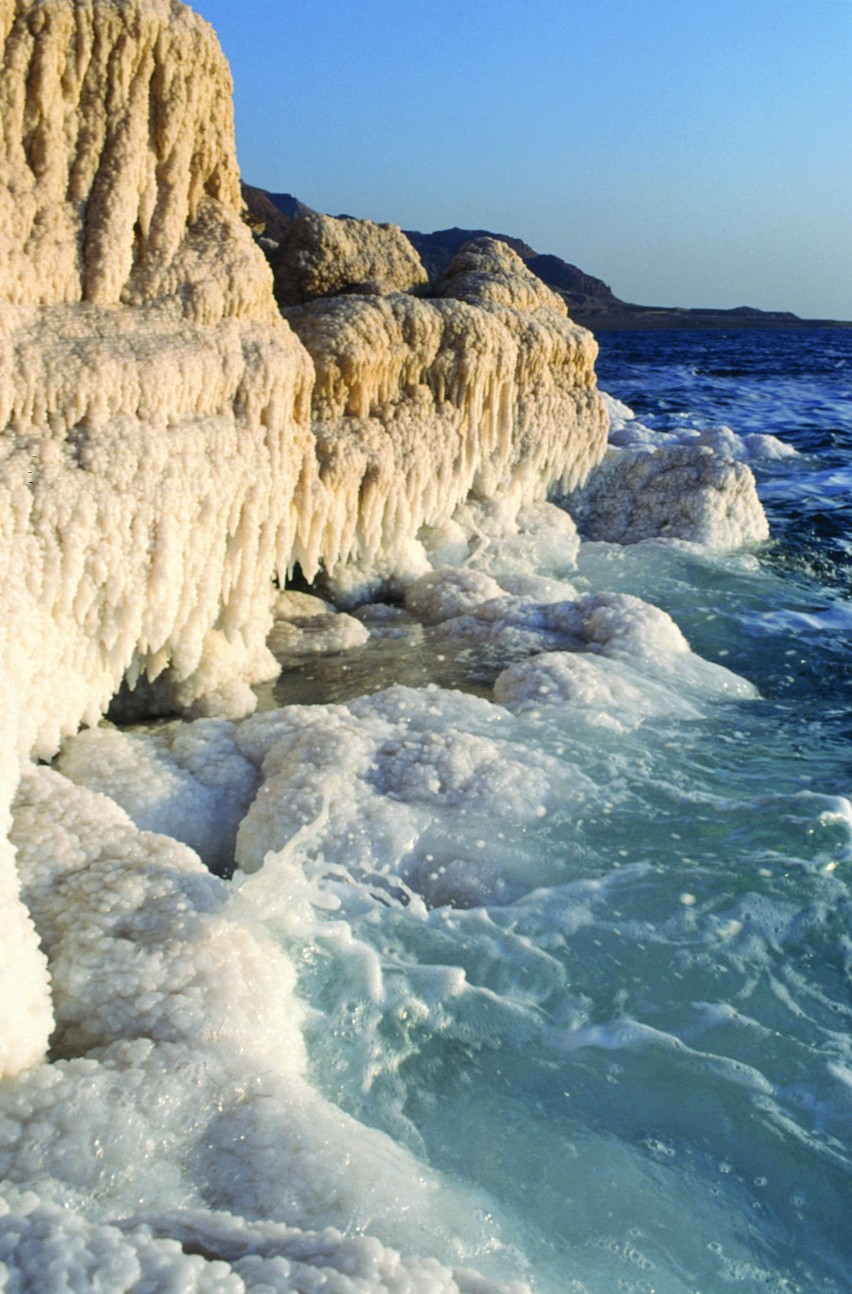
x: 550, y: 980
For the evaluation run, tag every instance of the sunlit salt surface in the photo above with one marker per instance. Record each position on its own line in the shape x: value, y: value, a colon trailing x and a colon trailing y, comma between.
x: 546, y: 889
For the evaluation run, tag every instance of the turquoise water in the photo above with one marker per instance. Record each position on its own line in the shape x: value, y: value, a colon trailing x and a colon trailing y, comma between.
x: 622, y: 1015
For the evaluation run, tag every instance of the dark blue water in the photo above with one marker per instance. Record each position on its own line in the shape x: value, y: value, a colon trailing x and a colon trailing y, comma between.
x: 795, y: 384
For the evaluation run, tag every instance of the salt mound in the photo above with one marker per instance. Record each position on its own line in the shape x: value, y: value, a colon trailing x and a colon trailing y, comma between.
x: 320, y: 256
x: 187, y: 781
x: 612, y: 693
x: 675, y: 492
x: 487, y: 269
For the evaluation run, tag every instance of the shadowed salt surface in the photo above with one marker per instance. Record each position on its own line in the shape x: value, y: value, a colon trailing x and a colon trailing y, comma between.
x: 555, y: 985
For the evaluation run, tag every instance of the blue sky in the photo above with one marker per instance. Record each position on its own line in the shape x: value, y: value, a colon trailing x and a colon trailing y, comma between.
x: 689, y: 152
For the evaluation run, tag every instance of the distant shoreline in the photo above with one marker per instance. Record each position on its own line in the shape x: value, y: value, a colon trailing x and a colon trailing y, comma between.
x: 650, y: 318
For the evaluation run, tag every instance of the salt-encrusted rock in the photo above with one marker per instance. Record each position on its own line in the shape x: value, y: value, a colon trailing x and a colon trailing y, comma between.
x: 675, y: 492
x: 486, y: 269
x: 292, y: 604
x: 157, y: 463
x: 323, y: 255
x: 153, y: 405
x: 420, y: 404
x: 120, y: 176
x: 320, y: 635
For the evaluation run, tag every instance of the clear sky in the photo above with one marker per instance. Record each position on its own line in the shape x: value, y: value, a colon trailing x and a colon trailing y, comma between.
x: 688, y: 152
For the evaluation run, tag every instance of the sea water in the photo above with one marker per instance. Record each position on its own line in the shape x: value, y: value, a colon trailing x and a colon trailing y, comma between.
x: 568, y: 902
x: 644, y: 1061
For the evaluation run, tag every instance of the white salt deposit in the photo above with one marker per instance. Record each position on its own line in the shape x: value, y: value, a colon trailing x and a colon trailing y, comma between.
x: 754, y: 447
x: 159, y: 465
x: 612, y: 692
x: 442, y: 594
x: 686, y: 484
x: 401, y: 789
x: 677, y: 492
x: 183, y: 780
x: 316, y: 635
x: 626, y: 431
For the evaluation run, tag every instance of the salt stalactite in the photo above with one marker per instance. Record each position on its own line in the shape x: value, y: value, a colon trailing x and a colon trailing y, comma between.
x: 418, y: 404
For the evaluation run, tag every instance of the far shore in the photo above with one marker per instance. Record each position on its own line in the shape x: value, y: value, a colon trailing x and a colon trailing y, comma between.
x: 648, y: 318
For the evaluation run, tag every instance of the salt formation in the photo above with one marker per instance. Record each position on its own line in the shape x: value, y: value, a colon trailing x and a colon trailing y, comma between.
x: 693, y: 486
x: 305, y: 625
x: 158, y: 467
x: 487, y: 390
x: 320, y: 256
x: 677, y: 492
x: 120, y: 177
x: 154, y: 406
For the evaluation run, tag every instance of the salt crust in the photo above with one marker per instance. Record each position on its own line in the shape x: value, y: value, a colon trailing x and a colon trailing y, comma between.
x: 316, y: 635
x: 203, y: 1253
x: 159, y: 463
x: 305, y: 625
x: 184, y: 1088
x: 186, y: 781
x: 402, y: 786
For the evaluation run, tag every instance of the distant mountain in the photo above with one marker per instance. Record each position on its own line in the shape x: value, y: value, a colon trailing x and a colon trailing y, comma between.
x: 438, y: 249
x: 271, y: 213
x: 590, y: 301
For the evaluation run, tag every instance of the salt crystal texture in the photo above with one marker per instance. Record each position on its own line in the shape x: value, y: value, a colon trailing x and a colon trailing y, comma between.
x: 171, y: 445
x: 486, y: 391
x: 159, y: 463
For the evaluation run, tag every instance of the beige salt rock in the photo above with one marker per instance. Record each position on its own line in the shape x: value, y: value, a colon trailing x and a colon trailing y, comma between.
x: 320, y: 256
x: 154, y: 406
x: 420, y: 404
